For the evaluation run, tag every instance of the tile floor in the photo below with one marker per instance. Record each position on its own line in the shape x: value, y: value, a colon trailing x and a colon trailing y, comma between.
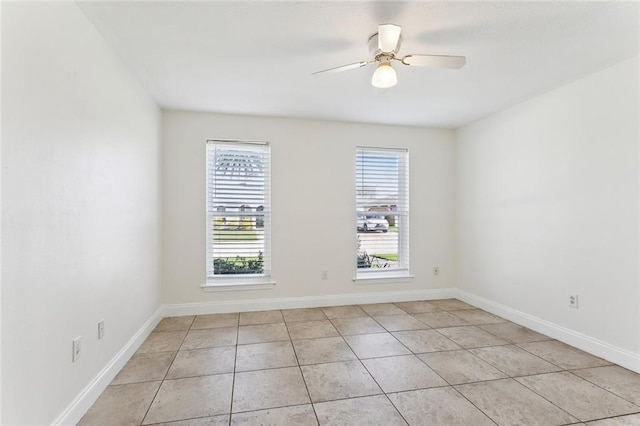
x: 439, y: 362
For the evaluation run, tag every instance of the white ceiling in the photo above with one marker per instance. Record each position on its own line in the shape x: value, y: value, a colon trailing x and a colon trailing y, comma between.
x: 256, y: 57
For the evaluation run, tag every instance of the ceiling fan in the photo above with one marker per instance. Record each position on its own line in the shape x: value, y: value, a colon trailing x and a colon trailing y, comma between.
x: 384, y: 46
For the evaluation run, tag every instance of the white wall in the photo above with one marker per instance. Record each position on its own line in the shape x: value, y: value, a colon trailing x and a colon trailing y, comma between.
x: 1, y: 210
x: 80, y: 188
x: 547, y: 204
x: 312, y: 203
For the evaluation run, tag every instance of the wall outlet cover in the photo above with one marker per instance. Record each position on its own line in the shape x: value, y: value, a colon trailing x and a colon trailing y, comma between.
x: 573, y: 300
x: 100, y: 329
x: 76, y: 348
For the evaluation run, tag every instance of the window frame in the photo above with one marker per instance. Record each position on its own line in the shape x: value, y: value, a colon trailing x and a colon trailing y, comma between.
x: 222, y: 282
x: 402, y: 271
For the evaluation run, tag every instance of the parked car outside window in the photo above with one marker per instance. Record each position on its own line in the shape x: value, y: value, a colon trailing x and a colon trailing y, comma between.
x: 372, y: 223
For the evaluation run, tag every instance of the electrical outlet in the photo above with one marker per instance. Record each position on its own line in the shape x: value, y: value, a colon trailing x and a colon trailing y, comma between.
x: 436, y: 270
x: 324, y: 274
x: 100, y: 329
x: 573, y: 300
x: 77, y: 349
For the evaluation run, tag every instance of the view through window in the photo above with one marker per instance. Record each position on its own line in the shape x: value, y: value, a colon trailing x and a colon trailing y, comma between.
x: 238, y: 210
x: 382, y: 210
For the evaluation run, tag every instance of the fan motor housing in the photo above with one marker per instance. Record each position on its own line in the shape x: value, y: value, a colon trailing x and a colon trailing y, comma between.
x: 373, y: 45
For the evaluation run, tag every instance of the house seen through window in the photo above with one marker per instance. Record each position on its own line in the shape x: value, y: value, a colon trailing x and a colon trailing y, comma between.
x: 238, y: 210
x: 382, y: 211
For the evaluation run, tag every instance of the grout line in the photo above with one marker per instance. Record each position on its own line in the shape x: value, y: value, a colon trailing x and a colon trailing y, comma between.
x: 313, y: 407
x: 452, y: 386
x: 539, y: 357
x: 155, y: 395
x: 382, y: 390
x: 543, y: 397
x: 471, y: 402
x: 270, y: 408
x: 604, y: 389
x: 235, y: 361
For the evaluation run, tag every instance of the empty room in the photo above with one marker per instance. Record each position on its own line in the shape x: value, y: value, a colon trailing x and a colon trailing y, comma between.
x: 320, y: 213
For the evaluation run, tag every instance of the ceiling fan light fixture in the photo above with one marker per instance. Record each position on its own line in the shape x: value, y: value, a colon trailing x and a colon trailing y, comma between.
x: 384, y: 76
x: 383, y: 47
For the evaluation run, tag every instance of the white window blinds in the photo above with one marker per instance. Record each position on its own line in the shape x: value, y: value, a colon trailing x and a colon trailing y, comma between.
x: 238, y: 209
x: 382, y: 210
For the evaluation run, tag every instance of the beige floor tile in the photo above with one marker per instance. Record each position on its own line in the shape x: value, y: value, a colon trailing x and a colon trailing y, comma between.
x: 318, y: 351
x: 439, y: 319
x: 221, y: 420
x: 471, y: 337
x: 338, y: 380
x: 260, y: 317
x: 162, y: 341
x: 197, y: 357
x: 174, y: 324
x: 400, y: 322
x: 508, y: 402
x: 375, y: 345
x: 203, y: 362
x: 378, y: 309
x: 210, y: 337
x: 451, y: 304
x: 440, y: 406
x: 360, y: 325
x: 121, y: 405
x: 514, y: 333
x: 259, y: 356
x: 305, y: 314
x: 417, y: 307
x: 563, y: 355
x: 367, y: 411
x: 311, y: 329
x: 458, y: 367
x: 622, y: 382
x: 192, y: 397
x: 145, y: 368
x: 632, y: 420
x: 419, y: 341
x: 349, y: 311
x: 299, y: 415
x: 477, y: 316
x: 262, y: 389
x: 262, y: 333
x: 402, y: 373
x: 215, y: 321
x: 513, y: 360
x: 578, y: 397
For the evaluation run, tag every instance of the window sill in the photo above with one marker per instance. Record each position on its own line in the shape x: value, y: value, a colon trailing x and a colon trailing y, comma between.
x: 235, y: 284
x: 383, y: 277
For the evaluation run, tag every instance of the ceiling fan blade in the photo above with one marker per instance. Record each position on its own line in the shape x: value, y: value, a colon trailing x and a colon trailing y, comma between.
x: 435, y: 61
x: 344, y: 67
x: 388, y: 37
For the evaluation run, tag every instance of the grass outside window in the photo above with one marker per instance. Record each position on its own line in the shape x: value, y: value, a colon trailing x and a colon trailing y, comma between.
x: 232, y: 235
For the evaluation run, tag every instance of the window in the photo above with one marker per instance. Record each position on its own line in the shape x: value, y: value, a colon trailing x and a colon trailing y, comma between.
x: 238, y: 212
x: 382, y: 211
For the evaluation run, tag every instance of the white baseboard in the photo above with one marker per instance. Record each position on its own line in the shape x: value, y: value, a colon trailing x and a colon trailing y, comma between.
x: 303, y: 302
x: 81, y: 404
x: 611, y: 353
